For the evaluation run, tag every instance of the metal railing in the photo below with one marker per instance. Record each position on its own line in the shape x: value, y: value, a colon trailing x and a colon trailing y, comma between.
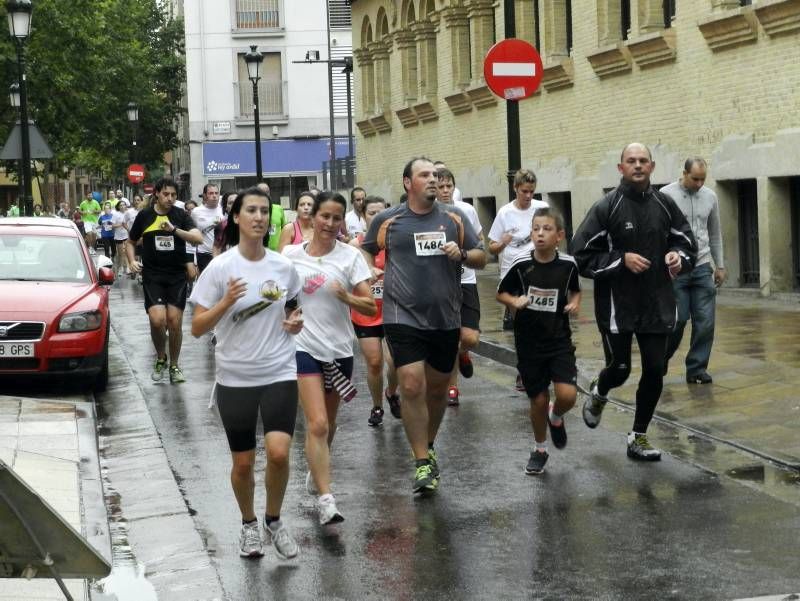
x: 270, y: 98
x: 258, y: 14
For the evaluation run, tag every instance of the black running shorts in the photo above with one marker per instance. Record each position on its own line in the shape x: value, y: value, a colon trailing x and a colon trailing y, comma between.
x: 164, y: 290
x: 470, y: 307
x: 437, y: 348
x: 538, y: 372
x: 239, y: 407
x: 368, y: 331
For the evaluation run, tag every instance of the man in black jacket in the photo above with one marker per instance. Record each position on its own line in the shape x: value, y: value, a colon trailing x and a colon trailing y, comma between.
x: 632, y: 243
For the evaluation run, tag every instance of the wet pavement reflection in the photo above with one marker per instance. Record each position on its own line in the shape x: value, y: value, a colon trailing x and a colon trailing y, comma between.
x: 595, y: 526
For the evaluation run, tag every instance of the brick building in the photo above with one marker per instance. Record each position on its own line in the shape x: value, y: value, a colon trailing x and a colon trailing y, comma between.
x: 714, y: 78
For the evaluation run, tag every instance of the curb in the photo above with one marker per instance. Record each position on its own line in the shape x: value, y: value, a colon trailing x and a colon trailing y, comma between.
x: 507, y: 356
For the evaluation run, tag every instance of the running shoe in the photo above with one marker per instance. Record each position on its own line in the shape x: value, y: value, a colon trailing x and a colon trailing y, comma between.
x: 328, y: 513
x: 536, y: 463
x: 311, y: 487
x: 558, y: 434
x: 158, y: 370
x: 375, y: 417
x: 518, y: 384
x: 434, y: 461
x: 701, y: 378
x: 452, y: 396
x: 593, y: 406
x: 640, y: 448
x: 465, y: 366
x: 176, y: 375
x: 394, y: 404
x: 278, y: 535
x: 424, y: 479
x: 250, y: 541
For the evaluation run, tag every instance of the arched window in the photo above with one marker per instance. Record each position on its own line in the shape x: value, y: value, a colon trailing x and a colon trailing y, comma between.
x: 383, y: 82
x: 407, y: 45
x: 367, y: 67
x: 426, y: 50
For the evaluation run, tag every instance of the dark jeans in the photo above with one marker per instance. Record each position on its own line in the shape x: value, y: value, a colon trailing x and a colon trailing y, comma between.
x: 696, y: 296
x: 617, y: 349
x: 109, y: 247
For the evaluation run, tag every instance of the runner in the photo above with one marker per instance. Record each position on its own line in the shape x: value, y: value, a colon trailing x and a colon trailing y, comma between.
x: 164, y: 230
x: 120, y: 237
x: 191, y: 251
x: 355, y: 220
x: 334, y: 278
x: 541, y: 291
x: 426, y: 244
x: 369, y: 330
x: 207, y: 217
x: 470, y: 302
x: 106, y: 224
x: 90, y: 213
x: 253, y: 289
x: 220, y: 245
x: 632, y: 243
x: 510, y: 234
x: 302, y: 229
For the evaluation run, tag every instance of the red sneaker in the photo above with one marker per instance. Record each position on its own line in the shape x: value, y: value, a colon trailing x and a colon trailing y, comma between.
x: 452, y: 396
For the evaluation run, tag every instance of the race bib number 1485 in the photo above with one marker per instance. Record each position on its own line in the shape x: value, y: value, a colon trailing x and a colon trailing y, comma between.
x: 543, y: 299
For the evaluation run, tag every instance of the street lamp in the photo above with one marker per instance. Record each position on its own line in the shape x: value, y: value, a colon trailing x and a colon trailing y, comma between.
x: 19, y: 25
x: 133, y: 118
x: 253, y: 60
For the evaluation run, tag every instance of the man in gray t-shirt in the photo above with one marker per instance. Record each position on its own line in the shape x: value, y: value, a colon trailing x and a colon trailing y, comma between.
x: 426, y: 243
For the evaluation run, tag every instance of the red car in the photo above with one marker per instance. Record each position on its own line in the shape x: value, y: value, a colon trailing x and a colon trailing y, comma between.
x: 54, y: 317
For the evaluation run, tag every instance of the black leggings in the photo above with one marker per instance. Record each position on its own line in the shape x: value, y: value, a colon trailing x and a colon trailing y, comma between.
x: 653, y: 348
x: 109, y: 247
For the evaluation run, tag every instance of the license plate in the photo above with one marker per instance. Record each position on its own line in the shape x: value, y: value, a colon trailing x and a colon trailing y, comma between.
x: 16, y: 349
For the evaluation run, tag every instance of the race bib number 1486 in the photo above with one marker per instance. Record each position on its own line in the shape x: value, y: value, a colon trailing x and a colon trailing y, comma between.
x: 429, y: 243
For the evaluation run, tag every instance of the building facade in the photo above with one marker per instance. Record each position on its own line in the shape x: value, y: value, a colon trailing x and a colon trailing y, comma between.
x: 293, y: 93
x: 712, y: 78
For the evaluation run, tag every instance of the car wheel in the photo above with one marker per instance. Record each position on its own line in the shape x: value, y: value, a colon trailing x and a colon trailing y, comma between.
x: 101, y: 380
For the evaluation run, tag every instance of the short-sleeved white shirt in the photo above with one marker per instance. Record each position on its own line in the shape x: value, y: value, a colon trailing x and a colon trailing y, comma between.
x: 511, y: 219
x: 130, y: 216
x: 255, y: 351
x: 327, y: 332
x: 206, y: 220
x: 355, y: 224
x: 468, y: 275
x: 120, y: 233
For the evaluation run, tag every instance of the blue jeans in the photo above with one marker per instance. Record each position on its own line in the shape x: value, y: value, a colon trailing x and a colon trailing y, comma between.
x: 695, y: 295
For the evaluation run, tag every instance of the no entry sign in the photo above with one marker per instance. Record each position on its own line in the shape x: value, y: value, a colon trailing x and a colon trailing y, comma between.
x: 135, y: 173
x: 513, y: 69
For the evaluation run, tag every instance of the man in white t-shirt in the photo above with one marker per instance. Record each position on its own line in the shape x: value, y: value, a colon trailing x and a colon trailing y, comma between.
x: 354, y: 219
x: 207, y: 218
x: 510, y: 234
x: 470, y: 301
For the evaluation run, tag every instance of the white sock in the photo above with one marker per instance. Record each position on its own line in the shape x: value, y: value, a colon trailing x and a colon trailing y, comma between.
x: 326, y: 498
x: 541, y: 447
x: 554, y: 418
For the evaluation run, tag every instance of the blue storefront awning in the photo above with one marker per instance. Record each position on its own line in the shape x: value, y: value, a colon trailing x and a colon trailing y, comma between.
x: 277, y: 156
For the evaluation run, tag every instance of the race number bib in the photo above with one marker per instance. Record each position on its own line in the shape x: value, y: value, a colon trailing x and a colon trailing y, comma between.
x: 542, y: 299
x: 377, y: 290
x: 165, y: 243
x: 107, y: 226
x: 428, y: 244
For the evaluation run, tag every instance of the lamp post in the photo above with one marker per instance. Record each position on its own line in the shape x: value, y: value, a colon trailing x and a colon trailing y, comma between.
x: 19, y: 25
x: 132, y: 111
x: 253, y: 60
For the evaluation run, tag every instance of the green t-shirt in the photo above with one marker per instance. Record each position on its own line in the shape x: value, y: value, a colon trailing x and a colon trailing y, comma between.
x: 277, y: 221
x: 88, y: 208
x: 13, y: 211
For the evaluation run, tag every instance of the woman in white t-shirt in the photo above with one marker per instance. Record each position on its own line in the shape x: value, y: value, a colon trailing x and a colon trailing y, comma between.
x: 120, y: 236
x: 334, y: 278
x: 249, y: 297
x: 128, y: 218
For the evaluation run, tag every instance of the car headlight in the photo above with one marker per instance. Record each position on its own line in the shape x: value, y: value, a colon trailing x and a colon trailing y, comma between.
x: 80, y: 322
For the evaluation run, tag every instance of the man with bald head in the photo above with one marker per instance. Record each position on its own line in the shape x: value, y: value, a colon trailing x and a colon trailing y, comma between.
x: 633, y: 242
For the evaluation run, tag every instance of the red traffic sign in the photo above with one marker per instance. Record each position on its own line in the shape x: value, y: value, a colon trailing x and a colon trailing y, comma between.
x: 148, y: 188
x: 513, y: 69
x: 135, y: 173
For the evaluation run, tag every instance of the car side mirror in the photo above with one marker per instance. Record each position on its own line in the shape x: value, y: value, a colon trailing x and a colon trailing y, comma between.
x: 106, y: 276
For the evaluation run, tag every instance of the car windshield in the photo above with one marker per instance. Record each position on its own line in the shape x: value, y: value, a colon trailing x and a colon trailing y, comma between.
x: 42, y: 258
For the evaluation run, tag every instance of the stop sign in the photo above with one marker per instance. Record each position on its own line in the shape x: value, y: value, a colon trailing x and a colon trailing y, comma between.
x: 135, y: 173
x: 148, y: 188
x: 513, y: 69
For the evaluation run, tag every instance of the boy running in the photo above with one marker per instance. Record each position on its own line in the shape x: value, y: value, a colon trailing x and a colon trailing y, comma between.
x: 542, y: 290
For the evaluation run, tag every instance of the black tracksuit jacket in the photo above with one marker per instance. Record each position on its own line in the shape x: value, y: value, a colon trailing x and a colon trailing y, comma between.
x: 650, y: 224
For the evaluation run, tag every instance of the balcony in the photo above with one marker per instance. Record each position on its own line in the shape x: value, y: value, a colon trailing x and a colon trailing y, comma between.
x: 270, y: 101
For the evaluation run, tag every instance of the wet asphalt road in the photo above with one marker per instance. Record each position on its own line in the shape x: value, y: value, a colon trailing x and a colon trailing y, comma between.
x: 595, y: 526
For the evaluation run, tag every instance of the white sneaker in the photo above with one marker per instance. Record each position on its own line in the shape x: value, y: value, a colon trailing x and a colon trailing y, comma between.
x: 311, y: 488
x: 250, y: 541
x: 279, y: 536
x: 328, y: 513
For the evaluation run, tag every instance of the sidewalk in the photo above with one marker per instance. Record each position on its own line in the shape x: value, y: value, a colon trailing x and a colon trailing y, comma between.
x: 51, y: 444
x: 754, y: 402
